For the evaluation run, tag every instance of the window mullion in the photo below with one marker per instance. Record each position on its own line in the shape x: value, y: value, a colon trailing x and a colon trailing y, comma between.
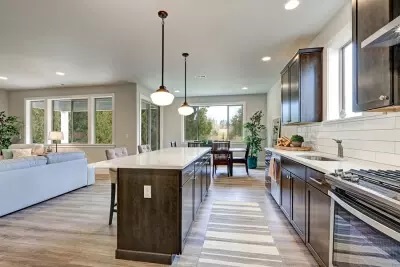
x: 227, y: 122
x: 91, y: 120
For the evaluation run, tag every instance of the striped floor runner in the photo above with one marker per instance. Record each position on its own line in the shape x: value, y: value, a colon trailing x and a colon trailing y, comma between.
x: 237, y: 235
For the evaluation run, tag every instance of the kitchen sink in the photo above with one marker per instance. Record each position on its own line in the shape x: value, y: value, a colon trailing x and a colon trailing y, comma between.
x: 318, y: 158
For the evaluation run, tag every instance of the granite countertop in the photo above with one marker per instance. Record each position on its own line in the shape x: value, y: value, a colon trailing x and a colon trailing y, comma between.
x: 174, y: 158
x: 330, y: 166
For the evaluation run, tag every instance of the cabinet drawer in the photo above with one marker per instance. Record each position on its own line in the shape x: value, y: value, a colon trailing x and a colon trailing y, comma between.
x: 317, y: 179
x: 187, y: 173
x: 296, y: 168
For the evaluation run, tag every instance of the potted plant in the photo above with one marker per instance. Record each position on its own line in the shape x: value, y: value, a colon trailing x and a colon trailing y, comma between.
x: 253, y: 138
x: 297, y: 140
x: 9, y: 128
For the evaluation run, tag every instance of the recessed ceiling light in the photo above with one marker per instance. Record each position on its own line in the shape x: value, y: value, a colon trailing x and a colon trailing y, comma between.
x: 265, y: 59
x: 3, y: 78
x: 201, y: 77
x: 292, y: 4
x: 244, y: 88
x: 176, y: 91
x: 60, y: 73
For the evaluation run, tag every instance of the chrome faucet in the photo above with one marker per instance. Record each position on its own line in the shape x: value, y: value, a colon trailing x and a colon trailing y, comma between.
x: 340, y: 147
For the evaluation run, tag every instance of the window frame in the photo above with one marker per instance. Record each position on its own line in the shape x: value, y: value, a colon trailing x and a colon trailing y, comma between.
x: 342, y: 81
x: 243, y: 104
x: 48, y: 123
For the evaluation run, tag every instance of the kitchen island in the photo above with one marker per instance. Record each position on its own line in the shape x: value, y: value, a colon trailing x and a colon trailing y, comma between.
x: 159, y: 194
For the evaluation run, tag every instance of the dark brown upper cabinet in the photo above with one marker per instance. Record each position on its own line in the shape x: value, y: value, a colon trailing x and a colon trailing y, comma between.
x: 376, y: 68
x: 301, y: 82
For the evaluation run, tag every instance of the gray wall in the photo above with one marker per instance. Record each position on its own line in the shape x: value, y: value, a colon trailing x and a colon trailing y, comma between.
x: 4, y: 101
x: 125, y: 113
x: 173, y: 121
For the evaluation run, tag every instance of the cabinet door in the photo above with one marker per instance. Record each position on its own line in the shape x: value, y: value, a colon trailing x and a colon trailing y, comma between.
x: 286, y: 194
x: 318, y: 226
x: 285, y: 94
x: 294, y: 71
x: 299, y: 205
x: 187, y: 207
x: 197, y: 187
x: 373, y: 69
x: 204, y: 181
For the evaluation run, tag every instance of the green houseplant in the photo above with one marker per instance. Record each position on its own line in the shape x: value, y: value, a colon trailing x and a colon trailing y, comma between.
x: 253, y: 138
x: 297, y: 140
x: 9, y: 129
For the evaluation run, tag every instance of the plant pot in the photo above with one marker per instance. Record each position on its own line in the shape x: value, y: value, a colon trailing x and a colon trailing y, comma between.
x: 297, y: 144
x: 252, y: 162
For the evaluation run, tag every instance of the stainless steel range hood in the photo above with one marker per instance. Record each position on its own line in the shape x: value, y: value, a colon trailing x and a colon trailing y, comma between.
x: 389, y: 35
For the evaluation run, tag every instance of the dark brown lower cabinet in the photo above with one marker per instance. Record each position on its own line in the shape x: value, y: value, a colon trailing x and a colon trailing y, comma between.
x: 299, y: 205
x: 318, y: 220
x: 286, y: 193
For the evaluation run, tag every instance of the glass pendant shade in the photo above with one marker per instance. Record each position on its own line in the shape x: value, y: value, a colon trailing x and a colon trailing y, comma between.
x: 185, y: 109
x: 162, y: 97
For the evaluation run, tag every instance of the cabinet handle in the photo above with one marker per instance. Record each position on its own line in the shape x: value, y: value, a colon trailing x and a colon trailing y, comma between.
x: 288, y: 176
x: 316, y: 181
x: 383, y: 97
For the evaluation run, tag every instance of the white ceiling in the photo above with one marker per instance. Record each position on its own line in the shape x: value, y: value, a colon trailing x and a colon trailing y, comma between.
x: 107, y: 41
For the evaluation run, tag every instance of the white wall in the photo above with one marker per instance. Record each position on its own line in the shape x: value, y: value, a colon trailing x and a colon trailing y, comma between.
x: 173, y: 123
x: 4, y: 101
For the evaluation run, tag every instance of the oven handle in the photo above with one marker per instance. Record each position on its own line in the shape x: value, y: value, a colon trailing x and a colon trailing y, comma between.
x: 376, y: 225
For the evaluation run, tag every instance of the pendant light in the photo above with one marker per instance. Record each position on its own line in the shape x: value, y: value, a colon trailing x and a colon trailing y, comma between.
x: 185, y: 109
x: 162, y: 97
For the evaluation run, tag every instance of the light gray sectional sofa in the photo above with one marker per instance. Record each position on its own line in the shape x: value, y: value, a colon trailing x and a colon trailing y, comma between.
x: 28, y: 181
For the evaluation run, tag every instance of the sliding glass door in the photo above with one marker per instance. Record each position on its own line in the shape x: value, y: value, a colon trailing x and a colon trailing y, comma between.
x: 150, y: 125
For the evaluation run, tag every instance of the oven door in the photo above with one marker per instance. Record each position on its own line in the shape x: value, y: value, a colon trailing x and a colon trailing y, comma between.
x: 362, y: 235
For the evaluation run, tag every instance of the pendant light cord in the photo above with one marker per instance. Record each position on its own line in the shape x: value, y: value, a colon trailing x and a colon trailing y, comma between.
x: 185, y: 79
x: 162, y: 54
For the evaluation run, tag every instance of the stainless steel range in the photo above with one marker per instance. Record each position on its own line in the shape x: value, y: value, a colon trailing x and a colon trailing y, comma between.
x: 365, y: 218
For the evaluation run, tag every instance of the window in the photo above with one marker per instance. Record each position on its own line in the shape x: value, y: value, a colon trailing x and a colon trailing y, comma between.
x: 150, y: 125
x: 71, y: 118
x: 219, y: 122
x: 37, y: 121
x: 103, y: 120
x: 82, y: 120
x: 340, y: 83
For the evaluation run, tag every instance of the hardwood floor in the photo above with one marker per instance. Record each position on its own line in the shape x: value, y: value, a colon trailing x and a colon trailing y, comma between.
x: 72, y: 230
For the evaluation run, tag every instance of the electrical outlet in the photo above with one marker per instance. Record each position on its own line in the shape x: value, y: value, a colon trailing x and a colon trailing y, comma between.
x: 147, y: 191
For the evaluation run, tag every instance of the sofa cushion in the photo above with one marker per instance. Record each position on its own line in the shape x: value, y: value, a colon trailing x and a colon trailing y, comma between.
x: 37, y: 149
x: 22, y: 163
x: 21, y: 153
x: 7, y: 153
x: 64, y: 156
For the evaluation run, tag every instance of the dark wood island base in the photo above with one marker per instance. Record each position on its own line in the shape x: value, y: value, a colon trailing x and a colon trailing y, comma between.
x: 154, y: 229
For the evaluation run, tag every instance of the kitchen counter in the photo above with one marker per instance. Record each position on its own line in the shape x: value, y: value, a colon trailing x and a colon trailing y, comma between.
x: 330, y: 166
x: 174, y: 158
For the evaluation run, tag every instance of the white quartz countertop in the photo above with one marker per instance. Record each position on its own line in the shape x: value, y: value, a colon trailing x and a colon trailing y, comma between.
x: 174, y: 158
x: 330, y: 166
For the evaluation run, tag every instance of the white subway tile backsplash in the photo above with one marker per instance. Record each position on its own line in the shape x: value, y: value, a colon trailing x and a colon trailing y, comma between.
x: 375, y: 137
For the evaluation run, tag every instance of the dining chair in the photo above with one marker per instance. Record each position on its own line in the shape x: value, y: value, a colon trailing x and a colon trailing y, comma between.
x: 144, y: 148
x: 173, y: 144
x: 113, y: 154
x: 194, y: 144
x: 243, y: 160
x: 221, y: 155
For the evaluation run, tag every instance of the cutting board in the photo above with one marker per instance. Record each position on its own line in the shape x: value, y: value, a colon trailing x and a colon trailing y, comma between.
x: 292, y: 148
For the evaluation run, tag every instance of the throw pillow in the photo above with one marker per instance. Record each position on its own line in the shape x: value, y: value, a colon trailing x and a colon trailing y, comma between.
x: 38, y: 150
x: 21, y: 153
x: 7, y: 153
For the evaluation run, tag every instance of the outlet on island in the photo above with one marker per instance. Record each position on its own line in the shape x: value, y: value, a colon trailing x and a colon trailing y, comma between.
x: 147, y: 191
